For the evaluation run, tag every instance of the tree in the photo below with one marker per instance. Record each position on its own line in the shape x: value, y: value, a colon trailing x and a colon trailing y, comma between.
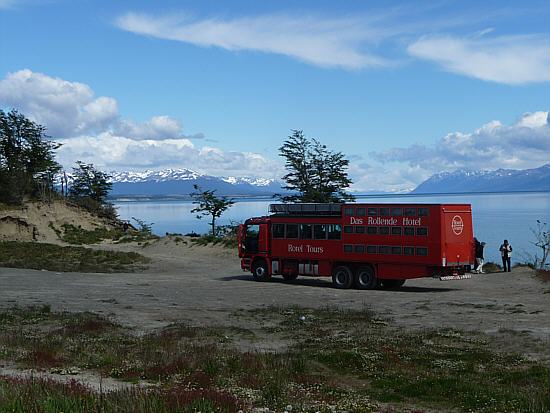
x: 208, y: 204
x: 89, y: 182
x: 315, y: 173
x: 542, y: 241
x: 27, y: 159
x: 90, y: 188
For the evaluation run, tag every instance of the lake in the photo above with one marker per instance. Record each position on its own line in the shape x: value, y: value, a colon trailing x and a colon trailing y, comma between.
x: 496, y: 216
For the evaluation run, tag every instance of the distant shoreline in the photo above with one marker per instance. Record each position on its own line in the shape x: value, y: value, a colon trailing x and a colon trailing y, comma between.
x: 244, y: 198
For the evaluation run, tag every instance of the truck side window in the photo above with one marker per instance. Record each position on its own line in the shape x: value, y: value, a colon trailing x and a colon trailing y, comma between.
x: 320, y: 231
x: 360, y: 249
x: 422, y: 231
x: 359, y: 229
x: 348, y: 248
x: 372, y: 230
x: 384, y: 230
x: 396, y: 230
x: 409, y: 231
x: 306, y: 231
x: 383, y: 249
x: 334, y: 231
x: 361, y: 212
x: 348, y: 211
x: 373, y: 211
x: 384, y: 212
x: 396, y: 250
x: 422, y: 212
x: 348, y: 229
x: 397, y: 212
x: 408, y: 250
x: 422, y: 251
x: 292, y: 230
x: 278, y: 230
x: 409, y: 212
x: 372, y: 249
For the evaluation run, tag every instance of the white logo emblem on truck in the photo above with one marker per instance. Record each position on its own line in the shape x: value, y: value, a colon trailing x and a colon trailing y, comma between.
x: 457, y: 225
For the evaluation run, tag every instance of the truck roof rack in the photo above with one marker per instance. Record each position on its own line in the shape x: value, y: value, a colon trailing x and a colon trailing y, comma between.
x: 306, y: 209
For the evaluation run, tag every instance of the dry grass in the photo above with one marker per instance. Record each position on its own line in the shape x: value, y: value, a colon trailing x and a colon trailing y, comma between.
x: 336, y: 360
x: 51, y: 257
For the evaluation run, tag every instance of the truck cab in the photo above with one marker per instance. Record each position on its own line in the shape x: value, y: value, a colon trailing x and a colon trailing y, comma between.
x: 253, y: 242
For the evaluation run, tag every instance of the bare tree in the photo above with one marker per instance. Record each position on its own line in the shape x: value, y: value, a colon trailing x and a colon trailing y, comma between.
x: 542, y: 241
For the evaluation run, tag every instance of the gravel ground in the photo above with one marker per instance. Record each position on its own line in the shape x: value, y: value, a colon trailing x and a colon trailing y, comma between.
x: 204, y: 285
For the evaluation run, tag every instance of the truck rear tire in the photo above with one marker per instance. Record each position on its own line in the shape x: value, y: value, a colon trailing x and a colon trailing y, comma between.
x: 259, y: 271
x: 342, y: 277
x: 365, y: 279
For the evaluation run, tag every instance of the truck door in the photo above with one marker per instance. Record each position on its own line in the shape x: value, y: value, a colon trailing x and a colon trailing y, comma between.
x: 256, y: 237
x: 457, y: 236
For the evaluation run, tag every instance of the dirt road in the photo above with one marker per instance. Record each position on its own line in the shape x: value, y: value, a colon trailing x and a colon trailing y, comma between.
x: 204, y: 285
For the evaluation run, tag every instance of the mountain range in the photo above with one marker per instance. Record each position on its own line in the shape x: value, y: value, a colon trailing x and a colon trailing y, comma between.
x: 179, y: 183
x: 501, y: 180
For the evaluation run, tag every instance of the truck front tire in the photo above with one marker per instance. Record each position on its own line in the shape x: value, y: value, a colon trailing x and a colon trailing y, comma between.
x: 259, y: 271
x: 342, y: 277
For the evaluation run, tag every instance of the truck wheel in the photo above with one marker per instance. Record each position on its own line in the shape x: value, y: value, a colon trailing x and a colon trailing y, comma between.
x: 389, y: 284
x: 259, y: 271
x: 290, y: 277
x: 365, y: 279
x: 342, y: 277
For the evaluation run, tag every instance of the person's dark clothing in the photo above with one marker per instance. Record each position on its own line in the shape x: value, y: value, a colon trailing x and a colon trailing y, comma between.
x: 477, y: 244
x: 506, y: 264
x: 506, y: 254
x: 479, y: 249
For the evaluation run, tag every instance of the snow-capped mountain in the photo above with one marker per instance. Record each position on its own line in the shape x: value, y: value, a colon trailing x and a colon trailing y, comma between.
x: 179, y: 182
x: 156, y: 176
x: 501, y: 180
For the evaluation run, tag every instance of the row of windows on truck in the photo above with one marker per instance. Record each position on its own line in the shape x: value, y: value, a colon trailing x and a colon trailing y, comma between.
x: 334, y: 231
x: 386, y: 249
x: 385, y: 212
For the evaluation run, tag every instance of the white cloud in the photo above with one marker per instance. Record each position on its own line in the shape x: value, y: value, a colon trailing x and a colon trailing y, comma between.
x: 66, y: 108
x: 506, y: 59
x: 71, y: 109
x: 90, y: 129
x: 112, y: 152
x: 158, y: 127
x: 337, y: 42
x: 524, y: 144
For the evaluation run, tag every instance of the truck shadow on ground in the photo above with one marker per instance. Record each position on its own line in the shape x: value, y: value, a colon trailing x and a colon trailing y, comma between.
x: 325, y: 283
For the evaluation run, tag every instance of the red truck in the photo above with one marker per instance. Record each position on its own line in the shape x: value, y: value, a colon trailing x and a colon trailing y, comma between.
x: 361, y: 245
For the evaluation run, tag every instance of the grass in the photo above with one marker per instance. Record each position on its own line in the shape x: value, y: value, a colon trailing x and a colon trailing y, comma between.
x: 80, y: 236
x: 492, y: 267
x: 335, y: 360
x: 51, y: 257
x: 40, y: 395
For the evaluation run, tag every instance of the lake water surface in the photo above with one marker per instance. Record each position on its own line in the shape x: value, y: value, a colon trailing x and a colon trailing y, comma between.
x: 496, y: 216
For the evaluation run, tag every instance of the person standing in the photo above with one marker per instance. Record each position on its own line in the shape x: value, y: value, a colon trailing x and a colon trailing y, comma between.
x: 476, y: 246
x: 506, y: 254
x: 479, y: 257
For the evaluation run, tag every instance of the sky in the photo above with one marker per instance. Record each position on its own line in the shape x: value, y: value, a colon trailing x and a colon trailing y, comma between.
x: 404, y: 89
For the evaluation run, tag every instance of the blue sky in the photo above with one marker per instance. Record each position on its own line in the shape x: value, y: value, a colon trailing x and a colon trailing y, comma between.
x: 405, y: 89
